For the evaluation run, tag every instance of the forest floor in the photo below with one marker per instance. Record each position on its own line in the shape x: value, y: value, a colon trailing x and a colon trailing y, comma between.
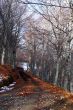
x: 35, y: 94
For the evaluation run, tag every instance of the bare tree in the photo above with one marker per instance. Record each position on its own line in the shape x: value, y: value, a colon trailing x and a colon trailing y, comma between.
x: 11, y: 25
x: 59, y: 19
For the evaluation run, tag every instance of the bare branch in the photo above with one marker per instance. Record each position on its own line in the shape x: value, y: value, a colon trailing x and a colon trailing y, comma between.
x: 48, y: 4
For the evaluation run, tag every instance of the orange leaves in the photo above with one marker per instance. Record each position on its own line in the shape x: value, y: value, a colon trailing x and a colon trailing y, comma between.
x: 52, y: 89
x: 6, y: 71
x: 3, y: 71
x: 33, y: 84
x: 26, y: 90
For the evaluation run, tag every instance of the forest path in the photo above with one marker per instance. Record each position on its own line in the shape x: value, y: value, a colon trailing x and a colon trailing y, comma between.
x: 35, y: 94
x: 41, y: 100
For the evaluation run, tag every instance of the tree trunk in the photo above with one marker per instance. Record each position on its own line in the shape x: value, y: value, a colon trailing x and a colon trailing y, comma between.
x: 3, y: 56
x: 68, y: 85
x: 65, y: 83
x: 14, y: 58
x: 57, y: 72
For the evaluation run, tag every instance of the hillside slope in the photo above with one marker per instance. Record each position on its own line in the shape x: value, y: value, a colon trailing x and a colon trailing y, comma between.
x: 31, y: 93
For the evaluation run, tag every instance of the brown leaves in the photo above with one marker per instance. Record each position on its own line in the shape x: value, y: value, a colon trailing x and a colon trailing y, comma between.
x: 26, y: 90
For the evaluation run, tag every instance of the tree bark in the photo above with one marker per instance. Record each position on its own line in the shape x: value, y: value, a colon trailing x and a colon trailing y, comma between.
x: 3, y: 56
x: 57, y: 72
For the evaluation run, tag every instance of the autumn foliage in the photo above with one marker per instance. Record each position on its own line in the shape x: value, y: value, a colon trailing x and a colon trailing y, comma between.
x: 7, y: 70
x: 32, y: 84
